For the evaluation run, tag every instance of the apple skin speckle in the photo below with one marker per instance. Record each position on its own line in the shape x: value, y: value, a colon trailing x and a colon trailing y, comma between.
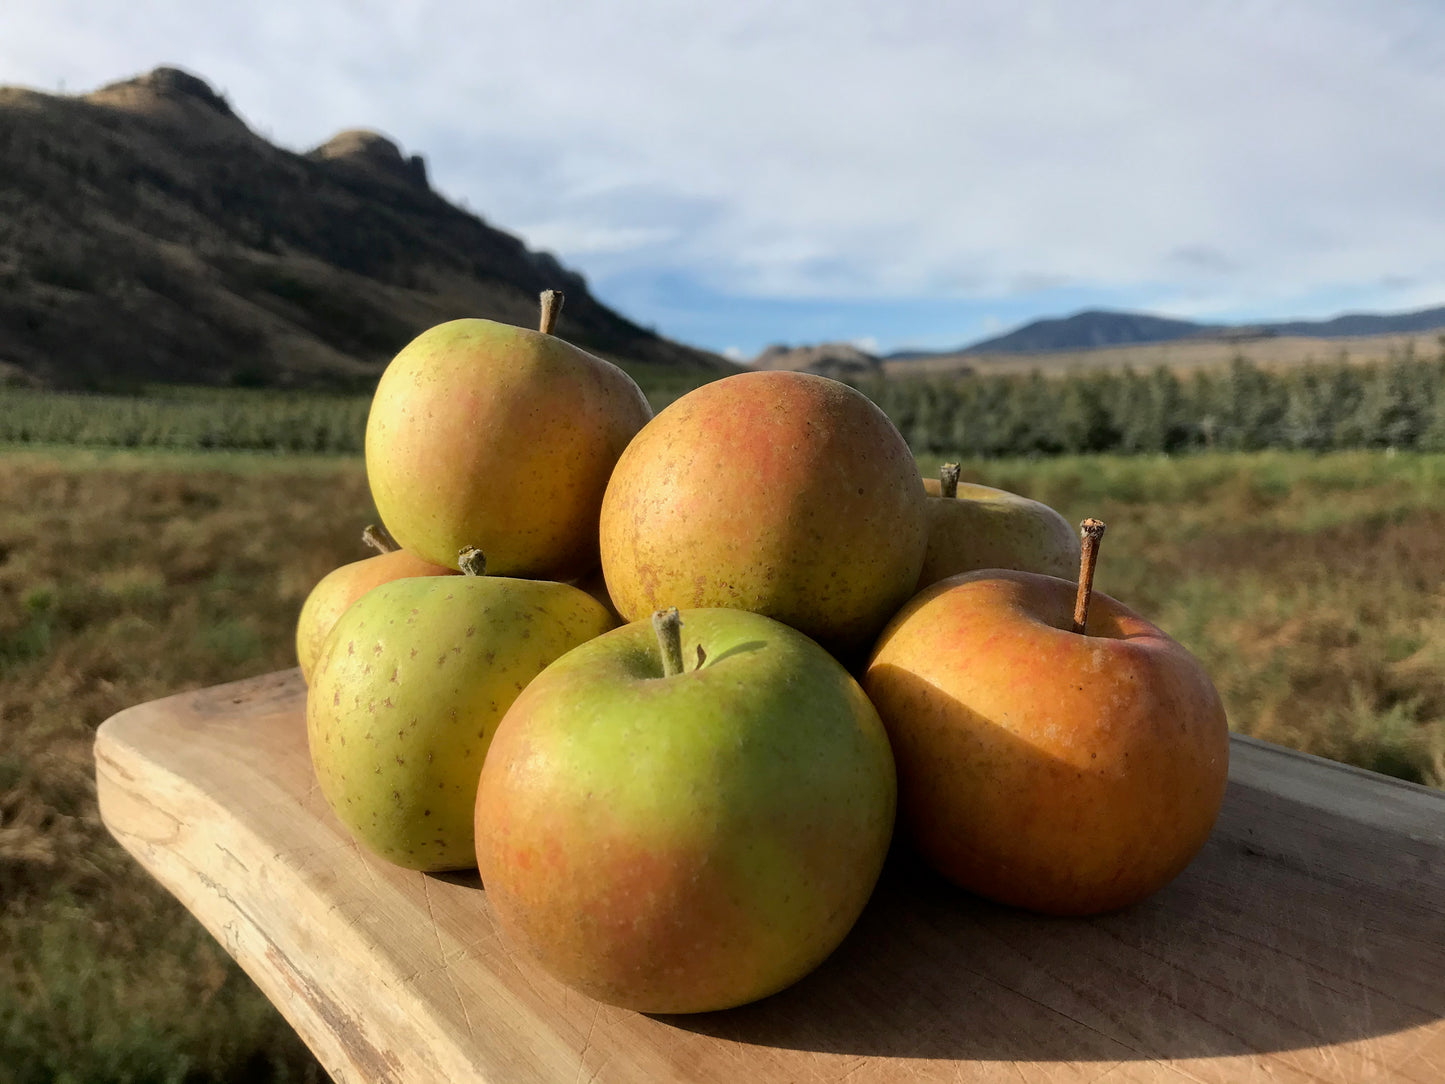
x: 381, y: 780
x: 341, y: 587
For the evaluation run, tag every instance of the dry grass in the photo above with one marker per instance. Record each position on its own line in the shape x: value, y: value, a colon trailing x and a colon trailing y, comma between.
x: 1312, y: 588
x: 124, y: 578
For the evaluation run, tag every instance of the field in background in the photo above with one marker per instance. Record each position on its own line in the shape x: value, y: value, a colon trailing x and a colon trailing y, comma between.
x: 1398, y: 404
x: 1313, y: 588
x: 1181, y: 355
x: 181, y: 418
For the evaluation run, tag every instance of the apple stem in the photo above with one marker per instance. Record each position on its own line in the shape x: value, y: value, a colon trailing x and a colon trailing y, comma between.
x: 472, y: 561
x: 948, y: 479
x: 551, y: 309
x: 668, y: 626
x: 378, y: 538
x: 1092, y: 530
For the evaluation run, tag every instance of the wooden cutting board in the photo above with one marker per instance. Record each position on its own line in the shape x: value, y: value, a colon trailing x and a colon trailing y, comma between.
x: 1306, y: 943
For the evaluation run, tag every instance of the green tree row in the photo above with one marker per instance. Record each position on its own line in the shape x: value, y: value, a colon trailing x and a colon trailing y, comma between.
x: 1396, y: 404
x: 187, y: 419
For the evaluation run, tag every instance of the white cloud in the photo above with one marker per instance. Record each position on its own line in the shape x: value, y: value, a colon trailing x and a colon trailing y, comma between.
x: 1229, y: 156
x: 579, y: 238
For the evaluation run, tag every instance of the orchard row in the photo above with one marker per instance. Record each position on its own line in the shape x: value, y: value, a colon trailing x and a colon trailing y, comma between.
x: 1242, y: 408
x: 1325, y: 407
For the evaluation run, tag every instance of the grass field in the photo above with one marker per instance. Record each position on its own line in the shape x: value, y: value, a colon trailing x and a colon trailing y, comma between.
x: 1313, y: 588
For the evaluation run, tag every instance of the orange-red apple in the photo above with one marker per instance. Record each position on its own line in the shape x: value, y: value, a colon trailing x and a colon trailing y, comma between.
x: 488, y: 435
x: 1062, y: 772
x: 783, y: 493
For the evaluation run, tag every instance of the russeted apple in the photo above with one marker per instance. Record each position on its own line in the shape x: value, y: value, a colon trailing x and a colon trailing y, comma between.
x: 973, y: 526
x: 342, y: 586
x: 783, y: 493
x: 407, y: 693
x: 1055, y: 750
x: 678, y: 819
x: 488, y: 435
x: 596, y: 586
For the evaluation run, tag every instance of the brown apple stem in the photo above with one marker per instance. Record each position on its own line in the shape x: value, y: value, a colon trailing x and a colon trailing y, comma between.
x: 472, y: 561
x: 1092, y: 530
x: 948, y: 480
x: 551, y: 309
x: 379, y: 538
x: 668, y: 626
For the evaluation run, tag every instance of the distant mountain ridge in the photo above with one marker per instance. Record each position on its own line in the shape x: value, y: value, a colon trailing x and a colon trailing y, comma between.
x: 148, y: 235
x: 1095, y: 328
x: 1085, y: 329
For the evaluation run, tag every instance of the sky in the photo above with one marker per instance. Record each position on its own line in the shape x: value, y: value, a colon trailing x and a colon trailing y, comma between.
x: 893, y: 173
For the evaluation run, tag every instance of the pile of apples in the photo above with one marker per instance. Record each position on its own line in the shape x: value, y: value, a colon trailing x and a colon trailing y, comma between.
x: 679, y: 778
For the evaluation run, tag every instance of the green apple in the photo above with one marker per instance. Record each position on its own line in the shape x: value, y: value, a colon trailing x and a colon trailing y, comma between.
x: 685, y: 836
x: 972, y: 527
x: 340, y: 587
x: 407, y: 693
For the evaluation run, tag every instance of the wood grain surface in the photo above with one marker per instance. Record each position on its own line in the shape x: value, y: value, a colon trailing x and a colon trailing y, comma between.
x: 1306, y: 943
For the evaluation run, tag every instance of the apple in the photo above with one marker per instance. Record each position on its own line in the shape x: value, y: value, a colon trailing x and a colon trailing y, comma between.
x: 973, y: 526
x: 342, y: 586
x: 500, y: 437
x: 690, y: 825
x: 596, y: 585
x: 1069, y: 763
x: 783, y: 493
x: 407, y: 693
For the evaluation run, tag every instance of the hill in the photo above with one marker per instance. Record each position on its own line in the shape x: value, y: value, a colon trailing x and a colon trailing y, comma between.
x: 1086, y: 329
x: 1095, y: 329
x: 148, y: 235
x: 1357, y: 324
x: 1273, y: 352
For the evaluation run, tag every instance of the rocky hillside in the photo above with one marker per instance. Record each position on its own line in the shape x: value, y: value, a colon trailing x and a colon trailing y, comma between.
x: 148, y: 235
